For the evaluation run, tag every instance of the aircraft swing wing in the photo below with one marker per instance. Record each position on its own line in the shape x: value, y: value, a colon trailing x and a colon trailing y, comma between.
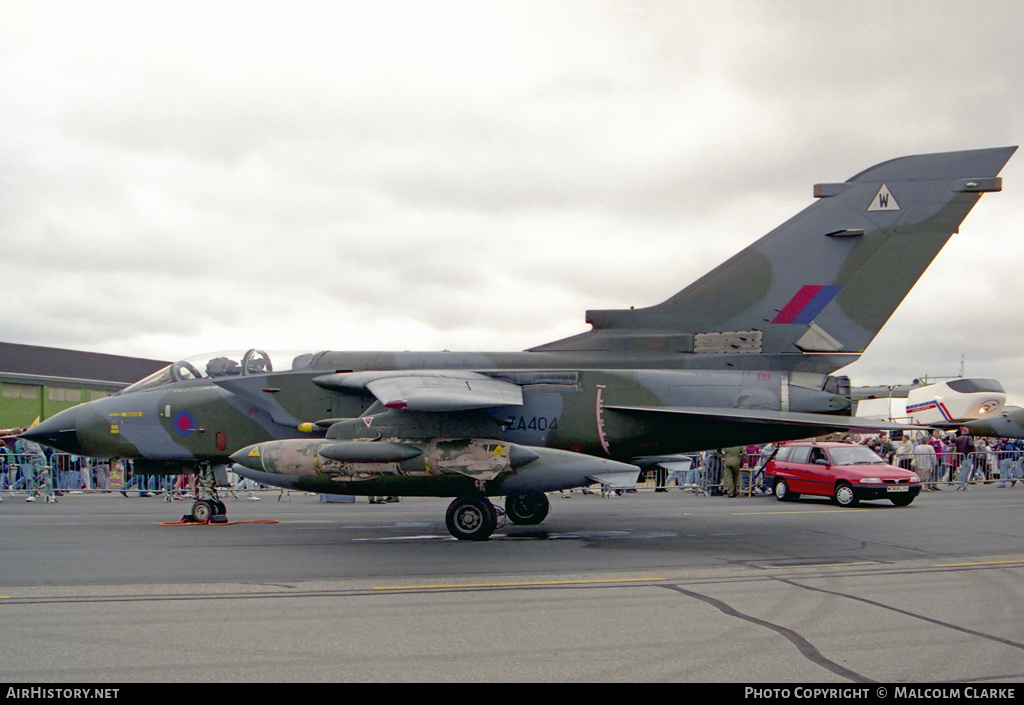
x: 428, y: 390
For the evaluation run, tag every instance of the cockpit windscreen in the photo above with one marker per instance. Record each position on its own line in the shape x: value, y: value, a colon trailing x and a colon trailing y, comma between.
x: 224, y: 364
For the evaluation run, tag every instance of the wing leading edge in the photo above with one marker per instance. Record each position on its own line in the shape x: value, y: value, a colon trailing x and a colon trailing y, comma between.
x: 428, y: 390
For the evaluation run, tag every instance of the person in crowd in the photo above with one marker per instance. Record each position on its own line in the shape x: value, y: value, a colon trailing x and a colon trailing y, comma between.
x: 760, y: 479
x: 948, y: 458
x: 36, y: 470
x: 102, y: 470
x: 981, y: 458
x: 964, y: 446
x: 250, y: 488
x: 733, y: 459
x: 138, y: 481
x: 5, y: 471
x: 886, y: 448
x: 924, y: 463
x: 1011, y: 455
x: 904, y: 452
x: 936, y: 443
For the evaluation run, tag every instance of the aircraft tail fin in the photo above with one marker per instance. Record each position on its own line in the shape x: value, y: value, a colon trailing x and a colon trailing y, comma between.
x: 822, y: 283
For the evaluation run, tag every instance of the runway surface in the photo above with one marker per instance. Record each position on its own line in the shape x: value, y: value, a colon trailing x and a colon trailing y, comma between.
x: 643, y: 587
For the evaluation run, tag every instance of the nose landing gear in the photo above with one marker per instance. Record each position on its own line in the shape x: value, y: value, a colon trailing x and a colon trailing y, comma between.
x: 208, y: 508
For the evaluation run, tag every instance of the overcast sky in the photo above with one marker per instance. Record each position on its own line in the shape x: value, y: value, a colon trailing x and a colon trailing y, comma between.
x: 178, y: 178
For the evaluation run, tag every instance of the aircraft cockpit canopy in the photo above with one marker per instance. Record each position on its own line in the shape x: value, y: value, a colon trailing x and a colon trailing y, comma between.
x: 224, y: 364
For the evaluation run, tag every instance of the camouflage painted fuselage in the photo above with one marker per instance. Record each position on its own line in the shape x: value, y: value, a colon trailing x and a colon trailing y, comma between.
x: 194, y: 421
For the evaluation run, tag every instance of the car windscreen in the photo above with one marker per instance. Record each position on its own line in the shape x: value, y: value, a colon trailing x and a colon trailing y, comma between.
x: 854, y: 455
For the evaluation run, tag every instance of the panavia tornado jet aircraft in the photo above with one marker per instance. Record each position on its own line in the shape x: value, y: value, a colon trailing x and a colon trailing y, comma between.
x: 743, y: 355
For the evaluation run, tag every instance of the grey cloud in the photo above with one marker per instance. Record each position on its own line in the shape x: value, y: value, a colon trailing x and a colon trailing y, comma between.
x: 463, y: 174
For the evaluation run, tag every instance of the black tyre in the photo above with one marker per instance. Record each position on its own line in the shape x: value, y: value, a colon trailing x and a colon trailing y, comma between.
x: 902, y: 501
x: 471, y: 519
x: 782, y: 493
x: 527, y: 509
x: 844, y: 496
x: 203, y: 510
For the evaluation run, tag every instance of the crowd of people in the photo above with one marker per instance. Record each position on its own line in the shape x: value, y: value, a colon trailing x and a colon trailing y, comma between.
x: 44, y: 475
x: 953, y: 458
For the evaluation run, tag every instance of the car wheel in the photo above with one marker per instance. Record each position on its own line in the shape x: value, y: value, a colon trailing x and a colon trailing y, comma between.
x: 845, y: 496
x: 901, y: 501
x: 782, y: 492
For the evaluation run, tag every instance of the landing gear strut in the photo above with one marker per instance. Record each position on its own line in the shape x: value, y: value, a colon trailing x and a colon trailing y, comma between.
x: 208, y: 508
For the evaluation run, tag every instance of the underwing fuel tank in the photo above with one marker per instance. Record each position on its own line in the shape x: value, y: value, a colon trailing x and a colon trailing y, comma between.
x: 483, y: 466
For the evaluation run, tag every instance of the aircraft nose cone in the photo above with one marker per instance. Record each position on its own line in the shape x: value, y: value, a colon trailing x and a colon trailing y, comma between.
x: 248, y: 457
x: 59, y: 432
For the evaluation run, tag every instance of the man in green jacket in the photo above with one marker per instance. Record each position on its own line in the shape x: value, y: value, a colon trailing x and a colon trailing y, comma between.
x: 732, y: 460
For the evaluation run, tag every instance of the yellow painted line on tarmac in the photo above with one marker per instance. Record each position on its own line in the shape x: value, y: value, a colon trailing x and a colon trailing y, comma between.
x: 789, y: 566
x: 964, y: 565
x: 834, y: 510
x: 525, y: 584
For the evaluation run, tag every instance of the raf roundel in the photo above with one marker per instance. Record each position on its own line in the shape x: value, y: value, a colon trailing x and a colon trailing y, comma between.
x: 184, y: 423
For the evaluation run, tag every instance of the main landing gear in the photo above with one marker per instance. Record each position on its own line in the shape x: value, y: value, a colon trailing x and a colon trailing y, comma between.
x: 475, y: 518
x: 471, y: 518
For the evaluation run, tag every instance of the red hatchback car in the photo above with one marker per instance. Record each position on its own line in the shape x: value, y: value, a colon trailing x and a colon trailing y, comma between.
x: 845, y: 472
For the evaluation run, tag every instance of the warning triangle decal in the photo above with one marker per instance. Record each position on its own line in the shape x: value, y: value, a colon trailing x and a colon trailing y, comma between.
x: 883, y: 201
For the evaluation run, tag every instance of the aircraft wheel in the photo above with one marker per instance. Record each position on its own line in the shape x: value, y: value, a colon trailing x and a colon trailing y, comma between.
x: 527, y: 509
x: 471, y: 518
x: 203, y: 510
